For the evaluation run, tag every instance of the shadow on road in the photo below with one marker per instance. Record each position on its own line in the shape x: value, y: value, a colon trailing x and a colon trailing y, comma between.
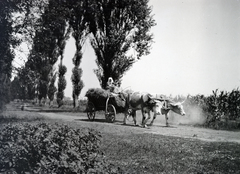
x: 97, y: 120
x: 171, y: 126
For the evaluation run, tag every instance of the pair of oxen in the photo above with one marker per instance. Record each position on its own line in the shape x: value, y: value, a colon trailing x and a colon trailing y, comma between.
x: 146, y: 103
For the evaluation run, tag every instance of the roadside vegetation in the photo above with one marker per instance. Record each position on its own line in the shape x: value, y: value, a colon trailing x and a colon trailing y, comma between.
x: 31, y: 143
x: 69, y: 146
x: 51, y: 148
x: 220, y: 110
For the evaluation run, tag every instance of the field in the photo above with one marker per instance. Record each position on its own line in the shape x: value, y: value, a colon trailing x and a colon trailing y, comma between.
x: 177, y: 149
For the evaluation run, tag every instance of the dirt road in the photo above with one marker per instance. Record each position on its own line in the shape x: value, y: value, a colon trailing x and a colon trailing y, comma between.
x: 158, y: 127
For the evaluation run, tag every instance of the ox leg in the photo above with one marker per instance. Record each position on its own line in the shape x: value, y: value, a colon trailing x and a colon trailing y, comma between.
x: 143, y: 117
x: 134, y: 117
x: 154, y: 117
x: 126, y: 115
x: 166, y: 117
x: 145, y: 121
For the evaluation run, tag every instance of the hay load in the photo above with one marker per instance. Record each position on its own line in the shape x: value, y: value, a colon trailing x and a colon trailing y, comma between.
x: 98, y: 97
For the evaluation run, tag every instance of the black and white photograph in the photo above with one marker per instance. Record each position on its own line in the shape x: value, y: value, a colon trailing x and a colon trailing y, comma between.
x: 119, y: 87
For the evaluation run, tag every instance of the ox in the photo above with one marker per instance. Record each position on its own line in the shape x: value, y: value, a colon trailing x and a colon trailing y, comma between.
x: 145, y: 103
x: 168, y: 105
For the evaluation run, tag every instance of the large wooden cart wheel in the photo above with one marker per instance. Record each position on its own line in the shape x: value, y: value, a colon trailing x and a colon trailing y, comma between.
x: 110, y: 113
x: 91, y: 111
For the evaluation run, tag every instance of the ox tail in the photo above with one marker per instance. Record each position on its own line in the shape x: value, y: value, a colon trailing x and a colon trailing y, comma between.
x: 128, y: 100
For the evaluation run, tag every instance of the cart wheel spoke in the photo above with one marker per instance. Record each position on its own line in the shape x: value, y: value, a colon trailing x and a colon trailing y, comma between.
x: 110, y: 113
x: 91, y: 111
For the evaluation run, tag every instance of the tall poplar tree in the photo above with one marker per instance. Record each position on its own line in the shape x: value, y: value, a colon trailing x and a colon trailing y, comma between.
x: 52, y: 89
x: 120, y: 35
x: 78, y: 22
x: 7, y: 43
x: 48, y: 44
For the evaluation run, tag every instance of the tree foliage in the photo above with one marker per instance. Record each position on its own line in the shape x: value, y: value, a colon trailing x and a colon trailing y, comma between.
x: 78, y: 23
x: 52, y: 88
x: 62, y: 83
x: 119, y: 32
x: 119, y: 35
x: 15, y: 92
x: 48, y: 44
x: 77, y: 84
x: 23, y: 86
x: 44, y: 81
x: 8, y: 42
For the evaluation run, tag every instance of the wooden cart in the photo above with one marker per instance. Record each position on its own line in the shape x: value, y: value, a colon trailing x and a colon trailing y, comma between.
x: 103, y: 101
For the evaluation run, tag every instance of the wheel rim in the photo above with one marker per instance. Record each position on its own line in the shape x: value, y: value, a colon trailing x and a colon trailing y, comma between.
x: 110, y: 113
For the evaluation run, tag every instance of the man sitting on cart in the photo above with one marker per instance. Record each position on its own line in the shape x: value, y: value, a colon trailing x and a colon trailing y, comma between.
x: 114, y: 87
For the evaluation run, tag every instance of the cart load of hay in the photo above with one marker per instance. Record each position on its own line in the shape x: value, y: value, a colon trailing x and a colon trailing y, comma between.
x: 99, y: 96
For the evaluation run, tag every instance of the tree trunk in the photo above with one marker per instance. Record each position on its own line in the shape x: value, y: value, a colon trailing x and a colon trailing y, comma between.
x: 39, y: 101
x: 75, y: 101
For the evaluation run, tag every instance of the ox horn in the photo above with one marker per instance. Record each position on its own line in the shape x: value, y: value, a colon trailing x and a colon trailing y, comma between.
x: 160, y: 98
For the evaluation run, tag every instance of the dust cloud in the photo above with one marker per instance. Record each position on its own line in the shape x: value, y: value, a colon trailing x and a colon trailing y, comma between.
x: 194, y: 116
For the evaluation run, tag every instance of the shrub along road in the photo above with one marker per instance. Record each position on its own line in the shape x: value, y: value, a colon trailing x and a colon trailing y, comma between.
x: 184, y: 131
x: 158, y: 149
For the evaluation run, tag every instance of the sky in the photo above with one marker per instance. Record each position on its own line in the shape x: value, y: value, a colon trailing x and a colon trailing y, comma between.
x: 196, y: 50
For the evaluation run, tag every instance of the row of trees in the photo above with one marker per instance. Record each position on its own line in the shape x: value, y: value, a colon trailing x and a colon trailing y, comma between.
x: 118, y: 30
x: 7, y: 43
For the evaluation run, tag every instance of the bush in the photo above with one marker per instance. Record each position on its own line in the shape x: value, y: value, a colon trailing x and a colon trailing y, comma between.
x: 46, y: 148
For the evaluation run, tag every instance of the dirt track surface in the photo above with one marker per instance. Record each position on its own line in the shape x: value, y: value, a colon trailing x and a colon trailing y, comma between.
x: 189, y: 132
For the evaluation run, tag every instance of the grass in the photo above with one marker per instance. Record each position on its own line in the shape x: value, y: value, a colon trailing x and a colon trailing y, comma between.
x: 146, y: 153
x: 140, y: 153
x: 55, y: 108
x: 14, y: 114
